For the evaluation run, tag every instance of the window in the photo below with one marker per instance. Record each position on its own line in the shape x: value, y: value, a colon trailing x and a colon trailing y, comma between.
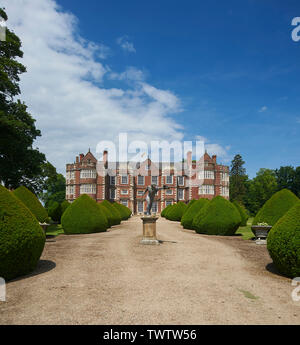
x: 112, y: 193
x: 180, y: 194
x: 124, y: 202
x: 169, y: 191
x: 225, y: 176
x: 70, y: 189
x: 169, y: 179
x: 154, y: 180
x: 168, y: 202
x: 154, y: 207
x: 140, y: 180
x: 206, y: 174
x: 70, y: 175
x: 113, y: 180
x: 181, y: 180
x: 140, y: 206
x: 88, y: 189
x: 88, y: 174
x: 124, y: 179
x: 207, y: 189
x: 124, y: 191
x: 140, y: 192
x: 225, y: 191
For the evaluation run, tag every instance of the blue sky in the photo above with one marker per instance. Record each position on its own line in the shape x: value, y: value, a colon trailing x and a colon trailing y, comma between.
x: 232, y: 66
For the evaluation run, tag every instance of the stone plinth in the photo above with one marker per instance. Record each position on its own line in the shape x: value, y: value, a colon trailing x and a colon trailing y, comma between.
x: 149, y: 230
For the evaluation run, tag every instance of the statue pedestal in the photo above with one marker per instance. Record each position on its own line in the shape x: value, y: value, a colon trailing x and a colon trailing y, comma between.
x: 149, y: 230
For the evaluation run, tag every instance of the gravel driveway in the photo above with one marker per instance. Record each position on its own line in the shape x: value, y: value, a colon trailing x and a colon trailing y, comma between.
x: 110, y: 278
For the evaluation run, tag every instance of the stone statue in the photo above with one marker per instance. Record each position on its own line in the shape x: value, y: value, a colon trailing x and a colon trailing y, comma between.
x: 152, y: 190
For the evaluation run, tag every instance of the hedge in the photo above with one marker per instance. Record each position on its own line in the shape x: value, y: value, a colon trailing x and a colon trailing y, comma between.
x: 22, y: 239
x: 191, y: 212
x: 276, y: 207
x: 83, y: 216
x: 32, y: 202
x: 124, y: 211
x: 283, y: 243
x: 64, y: 205
x: 243, y: 212
x: 108, y: 214
x: 165, y: 210
x: 176, y: 211
x: 116, y: 217
x: 217, y: 217
x: 55, y: 211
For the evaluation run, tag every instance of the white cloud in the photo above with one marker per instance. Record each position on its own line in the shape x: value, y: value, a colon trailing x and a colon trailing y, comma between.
x: 125, y: 44
x: 262, y: 109
x: 64, y: 87
x: 215, y: 149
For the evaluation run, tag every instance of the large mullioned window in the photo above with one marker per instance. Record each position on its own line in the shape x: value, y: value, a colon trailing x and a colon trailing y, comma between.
x: 207, y: 189
x: 88, y: 173
x: 88, y: 189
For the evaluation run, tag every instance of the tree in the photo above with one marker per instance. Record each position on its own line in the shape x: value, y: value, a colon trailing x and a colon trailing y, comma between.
x: 296, y: 182
x: 260, y: 189
x: 20, y: 163
x: 285, y: 177
x: 238, y: 178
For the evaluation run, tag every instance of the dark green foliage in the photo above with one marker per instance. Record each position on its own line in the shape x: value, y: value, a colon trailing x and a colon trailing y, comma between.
x: 276, y: 207
x: 217, y: 217
x: 167, y: 209
x: 32, y: 202
x: 238, y: 179
x: 83, y: 216
x: 284, y: 242
x: 64, y: 205
x: 22, y: 239
x: 191, y: 212
x: 243, y: 212
x: 124, y: 211
x: 163, y: 212
x: 108, y: 214
x: 176, y: 211
x: 116, y: 217
x: 55, y: 211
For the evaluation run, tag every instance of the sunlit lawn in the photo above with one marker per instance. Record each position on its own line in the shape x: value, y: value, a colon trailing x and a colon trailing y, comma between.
x: 245, y: 231
x: 55, y: 230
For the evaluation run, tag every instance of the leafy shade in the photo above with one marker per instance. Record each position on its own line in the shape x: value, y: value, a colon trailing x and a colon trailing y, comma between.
x: 217, y: 217
x: 22, y: 239
x: 176, y: 211
x: 84, y: 216
x: 32, y: 202
x: 116, y: 216
x: 284, y: 243
x: 242, y: 211
x: 191, y: 212
x: 276, y: 207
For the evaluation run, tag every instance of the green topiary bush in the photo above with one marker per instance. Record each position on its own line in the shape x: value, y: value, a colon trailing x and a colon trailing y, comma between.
x: 243, y: 212
x: 84, y: 216
x: 191, y: 212
x: 217, y: 217
x: 165, y: 210
x: 22, y: 239
x: 283, y: 242
x: 176, y: 211
x: 276, y: 207
x: 124, y: 211
x: 64, y: 205
x: 32, y: 202
x: 108, y: 215
x: 116, y: 217
x: 55, y: 211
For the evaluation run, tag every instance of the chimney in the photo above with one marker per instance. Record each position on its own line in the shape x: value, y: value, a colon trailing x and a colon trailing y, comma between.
x: 105, y: 160
x: 214, y: 158
x: 189, y: 158
x: 77, y: 159
x: 81, y: 156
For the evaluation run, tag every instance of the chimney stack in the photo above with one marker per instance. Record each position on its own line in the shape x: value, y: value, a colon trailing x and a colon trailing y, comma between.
x: 105, y: 159
x: 81, y: 156
x: 77, y: 159
x: 214, y: 158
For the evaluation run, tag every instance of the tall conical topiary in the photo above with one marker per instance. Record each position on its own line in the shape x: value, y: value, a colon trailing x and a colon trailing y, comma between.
x: 124, y: 211
x: 283, y: 242
x: 22, y: 239
x: 242, y: 211
x: 276, y: 207
x: 64, y: 205
x: 107, y: 213
x: 165, y: 210
x: 190, y: 204
x: 55, y: 211
x: 218, y: 217
x: 116, y: 217
x: 176, y: 211
x: 84, y: 216
x: 32, y: 202
x: 191, y: 212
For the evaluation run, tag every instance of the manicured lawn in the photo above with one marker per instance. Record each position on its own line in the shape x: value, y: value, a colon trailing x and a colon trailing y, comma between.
x: 55, y: 230
x: 245, y: 231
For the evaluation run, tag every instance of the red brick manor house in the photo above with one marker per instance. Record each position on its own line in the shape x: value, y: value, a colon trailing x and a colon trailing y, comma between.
x: 202, y: 179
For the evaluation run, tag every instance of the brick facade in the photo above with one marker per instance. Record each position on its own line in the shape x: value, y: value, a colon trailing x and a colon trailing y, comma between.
x: 202, y: 179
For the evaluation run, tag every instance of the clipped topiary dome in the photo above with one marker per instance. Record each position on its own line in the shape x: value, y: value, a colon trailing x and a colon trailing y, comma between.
x: 276, y: 207
x: 284, y: 243
x: 64, y: 205
x: 55, y: 211
x: 124, y: 211
x: 84, y: 216
x: 165, y: 210
x: 32, y: 202
x: 217, y: 217
x: 242, y: 211
x: 176, y: 211
x: 116, y: 217
x: 191, y: 212
x: 22, y: 239
x: 108, y: 215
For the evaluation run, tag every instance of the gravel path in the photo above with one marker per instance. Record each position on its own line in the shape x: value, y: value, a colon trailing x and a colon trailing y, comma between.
x: 110, y: 278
